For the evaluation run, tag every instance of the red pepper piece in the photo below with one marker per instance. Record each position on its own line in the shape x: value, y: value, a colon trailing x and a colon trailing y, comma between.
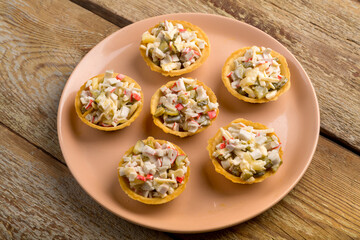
x: 113, y: 90
x: 149, y: 177
x: 135, y: 96
x: 212, y: 114
x: 229, y: 75
x: 279, y: 77
x: 180, y: 179
x: 173, y: 88
x: 222, y: 145
x: 179, y: 106
x: 89, y: 104
x: 120, y: 77
x: 140, y: 177
x: 182, y: 30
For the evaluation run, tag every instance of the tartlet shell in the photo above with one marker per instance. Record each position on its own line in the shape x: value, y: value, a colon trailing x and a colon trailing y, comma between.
x: 121, y: 126
x: 218, y: 138
x: 152, y: 201
x: 229, y: 66
x: 205, y: 52
x: 155, y: 100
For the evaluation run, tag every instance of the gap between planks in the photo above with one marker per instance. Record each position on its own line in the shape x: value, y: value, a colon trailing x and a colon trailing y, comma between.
x: 33, y: 144
x: 122, y: 22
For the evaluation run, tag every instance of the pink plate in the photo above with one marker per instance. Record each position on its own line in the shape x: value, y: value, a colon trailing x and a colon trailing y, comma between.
x: 209, y: 201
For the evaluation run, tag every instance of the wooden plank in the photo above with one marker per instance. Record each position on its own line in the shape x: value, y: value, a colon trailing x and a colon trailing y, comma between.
x: 324, y: 203
x: 40, y: 199
x: 40, y: 44
x: 304, y: 28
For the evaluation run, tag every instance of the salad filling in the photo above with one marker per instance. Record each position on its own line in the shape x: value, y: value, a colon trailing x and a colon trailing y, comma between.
x: 248, y: 153
x: 185, y: 106
x: 172, y: 46
x: 154, y: 170
x: 109, y: 101
x: 257, y: 74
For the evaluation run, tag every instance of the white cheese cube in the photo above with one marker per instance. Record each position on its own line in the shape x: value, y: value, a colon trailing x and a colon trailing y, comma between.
x: 245, y: 135
x: 225, y: 164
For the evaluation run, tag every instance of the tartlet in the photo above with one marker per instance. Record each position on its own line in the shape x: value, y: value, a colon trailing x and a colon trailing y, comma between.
x: 245, y: 152
x: 256, y: 75
x: 184, y: 107
x: 109, y: 101
x: 154, y: 171
x: 174, y: 47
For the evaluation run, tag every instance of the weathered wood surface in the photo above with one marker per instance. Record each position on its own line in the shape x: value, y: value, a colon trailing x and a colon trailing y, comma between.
x: 39, y: 198
x: 323, y: 38
x: 41, y: 42
x: 325, y: 204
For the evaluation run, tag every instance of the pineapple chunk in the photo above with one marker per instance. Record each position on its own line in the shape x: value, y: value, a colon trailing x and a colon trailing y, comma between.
x: 147, y: 38
x: 95, y: 83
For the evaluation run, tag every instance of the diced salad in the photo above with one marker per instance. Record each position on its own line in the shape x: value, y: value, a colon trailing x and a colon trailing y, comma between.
x: 248, y: 153
x: 172, y: 46
x: 185, y: 106
x: 257, y: 74
x: 109, y: 101
x: 154, y: 170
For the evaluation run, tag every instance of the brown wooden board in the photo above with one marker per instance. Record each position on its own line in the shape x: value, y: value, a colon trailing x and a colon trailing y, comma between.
x: 323, y: 205
x: 41, y: 42
x: 323, y: 38
x: 40, y: 199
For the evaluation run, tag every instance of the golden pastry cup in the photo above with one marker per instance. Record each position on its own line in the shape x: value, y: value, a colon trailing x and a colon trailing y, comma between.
x: 155, y: 100
x: 124, y: 182
x: 82, y: 116
x: 204, y: 53
x: 229, y: 66
x: 218, y: 139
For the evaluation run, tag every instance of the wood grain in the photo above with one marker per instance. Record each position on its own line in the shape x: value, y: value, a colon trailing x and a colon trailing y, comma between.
x: 40, y: 199
x: 40, y: 44
x: 42, y: 41
x: 327, y: 47
x: 325, y: 204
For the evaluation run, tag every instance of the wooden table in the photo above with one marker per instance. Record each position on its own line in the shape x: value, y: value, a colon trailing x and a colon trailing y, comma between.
x: 42, y: 41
